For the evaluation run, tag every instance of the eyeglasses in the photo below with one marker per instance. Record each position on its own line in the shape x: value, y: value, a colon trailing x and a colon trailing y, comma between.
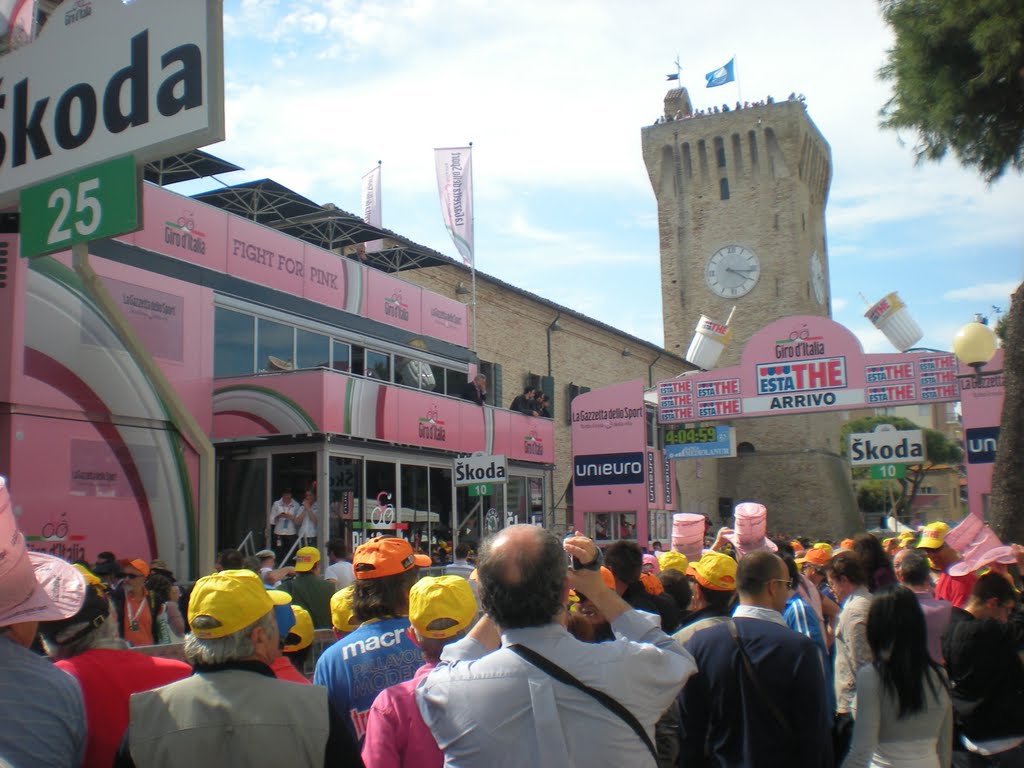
x: 787, y: 582
x: 134, y: 576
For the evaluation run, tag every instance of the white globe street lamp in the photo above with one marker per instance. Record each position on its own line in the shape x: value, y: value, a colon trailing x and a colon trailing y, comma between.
x: 975, y: 345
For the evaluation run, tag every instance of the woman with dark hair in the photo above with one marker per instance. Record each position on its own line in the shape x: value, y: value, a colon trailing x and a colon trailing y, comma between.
x: 904, y: 716
x: 877, y: 564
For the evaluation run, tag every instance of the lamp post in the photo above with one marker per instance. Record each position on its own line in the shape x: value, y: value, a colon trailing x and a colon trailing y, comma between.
x: 975, y: 345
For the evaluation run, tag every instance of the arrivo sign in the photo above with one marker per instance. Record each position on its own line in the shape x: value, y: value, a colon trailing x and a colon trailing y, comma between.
x: 142, y: 78
x: 807, y: 364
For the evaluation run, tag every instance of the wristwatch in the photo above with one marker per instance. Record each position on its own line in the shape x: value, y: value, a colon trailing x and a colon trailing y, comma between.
x: 593, y: 565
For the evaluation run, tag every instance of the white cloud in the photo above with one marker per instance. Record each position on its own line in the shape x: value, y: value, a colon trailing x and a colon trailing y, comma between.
x: 983, y: 292
x: 555, y: 111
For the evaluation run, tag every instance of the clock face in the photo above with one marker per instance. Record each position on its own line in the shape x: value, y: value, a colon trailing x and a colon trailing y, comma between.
x: 818, y: 278
x: 732, y: 271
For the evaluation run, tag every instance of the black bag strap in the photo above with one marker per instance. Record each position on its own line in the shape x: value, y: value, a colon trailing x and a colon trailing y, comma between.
x: 756, y: 681
x: 606, y: 701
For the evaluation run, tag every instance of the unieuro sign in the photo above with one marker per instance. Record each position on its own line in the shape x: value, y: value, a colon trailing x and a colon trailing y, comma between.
x: 894, y: 446
x: 144, y: 78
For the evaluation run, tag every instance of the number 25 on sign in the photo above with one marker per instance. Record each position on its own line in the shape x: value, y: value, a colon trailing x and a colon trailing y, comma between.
x: 89, y: 204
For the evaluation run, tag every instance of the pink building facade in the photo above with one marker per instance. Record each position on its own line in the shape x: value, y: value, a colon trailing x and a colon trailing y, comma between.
x: 310, y: 373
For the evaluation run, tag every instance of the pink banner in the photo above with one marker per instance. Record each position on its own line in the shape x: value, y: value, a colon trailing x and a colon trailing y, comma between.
x: 445, y: 319
x: 182, y: 228
x: 185, y: 229
x: 393, y: 301
x: 981, y: 406
x: 328, y: 401
x: 325, y: 279
x: 609, y: 450
x: 261, y: 255
x: 157, y: 317
x: 807, y: 364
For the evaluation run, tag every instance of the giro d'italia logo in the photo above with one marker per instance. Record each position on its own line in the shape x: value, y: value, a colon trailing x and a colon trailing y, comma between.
x: 395, y: 307
x: 431, y: 427
x: 182, y: 233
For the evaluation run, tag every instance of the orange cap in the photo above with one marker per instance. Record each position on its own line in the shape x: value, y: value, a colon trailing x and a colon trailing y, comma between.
x: 386, y: 556
x: 607, y: 577
x: 815, y: 557
x: 651, y: 583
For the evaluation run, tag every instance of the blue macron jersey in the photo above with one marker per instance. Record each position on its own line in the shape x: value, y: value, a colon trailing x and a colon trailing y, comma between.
x: 362, y: 664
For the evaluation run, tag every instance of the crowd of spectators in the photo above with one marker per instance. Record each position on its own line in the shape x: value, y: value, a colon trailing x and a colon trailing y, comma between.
x: 753, y: 651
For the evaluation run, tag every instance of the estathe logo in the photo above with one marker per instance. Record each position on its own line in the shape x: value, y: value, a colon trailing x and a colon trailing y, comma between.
x: 533, y: 444
x: 183, y: 234
x: 395, y: 307
x: 431, y: 427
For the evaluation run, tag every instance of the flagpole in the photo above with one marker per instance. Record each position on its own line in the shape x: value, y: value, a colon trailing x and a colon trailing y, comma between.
x: 739, y: 88
x: 472, y: 263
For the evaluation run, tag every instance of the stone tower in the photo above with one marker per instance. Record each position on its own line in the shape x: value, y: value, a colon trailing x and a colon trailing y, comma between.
x: 741, y: 217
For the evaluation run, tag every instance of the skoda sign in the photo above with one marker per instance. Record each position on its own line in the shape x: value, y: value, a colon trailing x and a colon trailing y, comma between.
x: 609, y: 469
x: 891, y: 446
x: 144, y: 78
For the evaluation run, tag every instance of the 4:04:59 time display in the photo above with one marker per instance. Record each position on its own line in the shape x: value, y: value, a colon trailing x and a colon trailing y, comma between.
x: 684, y: 435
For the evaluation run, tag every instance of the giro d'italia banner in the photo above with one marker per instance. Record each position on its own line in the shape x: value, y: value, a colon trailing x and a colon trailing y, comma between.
x: 455, y: 188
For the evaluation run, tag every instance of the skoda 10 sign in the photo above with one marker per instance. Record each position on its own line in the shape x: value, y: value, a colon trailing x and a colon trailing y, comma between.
x: 143, y: 78
x: 807, y: 364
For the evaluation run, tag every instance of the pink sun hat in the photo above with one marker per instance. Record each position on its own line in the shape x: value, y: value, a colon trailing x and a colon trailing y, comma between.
x: 750, y: 532
x: 983, y: 548
x: 33, y: 586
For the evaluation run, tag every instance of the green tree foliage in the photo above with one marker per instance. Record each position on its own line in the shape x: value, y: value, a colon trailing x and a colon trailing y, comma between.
x: 957, y: 70
x: 938, y: 450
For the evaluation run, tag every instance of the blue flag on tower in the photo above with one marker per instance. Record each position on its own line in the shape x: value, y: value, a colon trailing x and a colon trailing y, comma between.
x: 722, y: 75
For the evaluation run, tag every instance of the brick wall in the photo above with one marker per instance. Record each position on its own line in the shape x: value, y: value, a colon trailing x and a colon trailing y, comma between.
x: 512, y: 331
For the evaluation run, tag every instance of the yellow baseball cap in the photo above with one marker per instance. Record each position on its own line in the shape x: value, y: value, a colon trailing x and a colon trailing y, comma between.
x: 302, y: 631
x: 342, y: 618
x: 933, y: 536
x: 439, y: 601
x: 673, y: 561
x: 906, y: 536
x: 233, y: 599
x: 715, y: 570
x: 306, y: 558
x: 824, y: 546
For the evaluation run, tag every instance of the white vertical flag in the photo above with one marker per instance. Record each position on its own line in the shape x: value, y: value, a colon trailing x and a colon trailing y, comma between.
x: 371, y: 205
x: 455, y: 187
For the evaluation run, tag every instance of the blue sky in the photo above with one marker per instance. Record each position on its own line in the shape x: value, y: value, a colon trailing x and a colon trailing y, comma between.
x: 553, y: 96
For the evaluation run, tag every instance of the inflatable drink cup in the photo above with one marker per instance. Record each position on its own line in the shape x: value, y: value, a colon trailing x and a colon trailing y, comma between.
x: 890, y: 316
x: 708, y: 343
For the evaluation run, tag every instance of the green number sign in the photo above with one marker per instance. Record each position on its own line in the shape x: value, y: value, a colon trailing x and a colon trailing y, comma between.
x: 888, y: 471
x: 89, y: 204
x: 481, y: 489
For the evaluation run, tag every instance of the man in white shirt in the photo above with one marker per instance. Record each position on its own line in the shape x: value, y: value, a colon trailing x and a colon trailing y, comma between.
x: 282, y: 525
x: 308, y: 519
x: 340, y: 569
x: 524, y: 590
